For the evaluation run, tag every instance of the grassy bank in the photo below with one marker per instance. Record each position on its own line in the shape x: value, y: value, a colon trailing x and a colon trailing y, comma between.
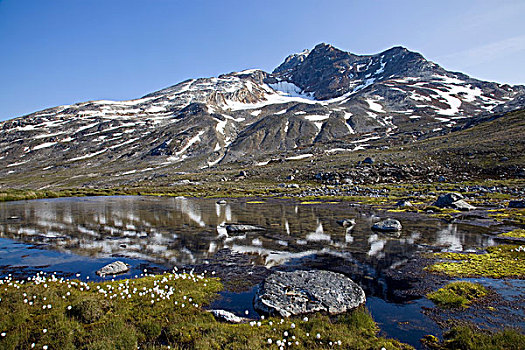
x: 466, y: 337
x: 158, y: 312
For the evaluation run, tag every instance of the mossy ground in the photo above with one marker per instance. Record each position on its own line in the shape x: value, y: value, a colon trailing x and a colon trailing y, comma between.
x: 511, y: 216
x: 498, y: 262
x: 514, y: 234
x: 155, y: 312
x: 457, y: 294
x: 466, y: 337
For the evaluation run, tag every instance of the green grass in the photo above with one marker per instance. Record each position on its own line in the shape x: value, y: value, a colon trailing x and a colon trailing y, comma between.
x: 128, y: 314
x: 17, y: 195
x: 467, y: 337
x: 498, y: 262
x: 457, y: 294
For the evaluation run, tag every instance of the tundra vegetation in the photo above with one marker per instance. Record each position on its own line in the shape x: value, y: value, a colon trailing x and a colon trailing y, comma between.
x: 164, y: 311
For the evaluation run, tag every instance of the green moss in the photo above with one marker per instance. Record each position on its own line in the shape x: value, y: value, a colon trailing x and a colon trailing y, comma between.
x: 498, y: 262
x: 457, y: 294
x: 514, y: 234
x: 131, y: 314
x: 512, y: 216
x: 469, y: 337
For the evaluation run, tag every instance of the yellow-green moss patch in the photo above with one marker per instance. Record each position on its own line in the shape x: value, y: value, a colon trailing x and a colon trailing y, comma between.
x: 471, y: 337
x: 514, y: 234
x: 499, y: 261
x: 457, y: 294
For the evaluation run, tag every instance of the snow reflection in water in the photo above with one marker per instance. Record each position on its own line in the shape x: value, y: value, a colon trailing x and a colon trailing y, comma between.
x: 187, y: 230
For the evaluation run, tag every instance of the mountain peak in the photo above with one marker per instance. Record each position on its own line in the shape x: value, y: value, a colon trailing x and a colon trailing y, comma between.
x: 324, y: 47
x: 327, y: 72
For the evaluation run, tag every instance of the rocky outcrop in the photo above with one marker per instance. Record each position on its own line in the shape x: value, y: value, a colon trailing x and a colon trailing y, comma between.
x: 453, y: 200
x: 301, y: 292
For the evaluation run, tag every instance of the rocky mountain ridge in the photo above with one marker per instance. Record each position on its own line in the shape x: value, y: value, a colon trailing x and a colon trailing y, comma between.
x: 322, y: 100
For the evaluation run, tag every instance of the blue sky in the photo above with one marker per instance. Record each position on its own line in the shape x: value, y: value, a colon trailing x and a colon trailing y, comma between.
x: 57, y: 52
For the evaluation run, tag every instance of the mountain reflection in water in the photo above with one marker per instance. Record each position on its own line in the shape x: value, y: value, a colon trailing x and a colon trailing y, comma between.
x: 178, y: 231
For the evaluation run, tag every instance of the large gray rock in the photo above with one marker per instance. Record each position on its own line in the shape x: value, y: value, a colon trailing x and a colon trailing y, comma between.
x: 240, y: 228
x: 388, y: 225
x: 453, y: 200
x: 301, y: 292
x: 114, y: 268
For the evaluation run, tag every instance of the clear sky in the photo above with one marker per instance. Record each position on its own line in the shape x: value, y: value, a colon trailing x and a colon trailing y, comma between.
x: 55, y: 52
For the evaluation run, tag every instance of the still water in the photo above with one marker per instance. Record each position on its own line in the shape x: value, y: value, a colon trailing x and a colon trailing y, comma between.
x: 79, y: 235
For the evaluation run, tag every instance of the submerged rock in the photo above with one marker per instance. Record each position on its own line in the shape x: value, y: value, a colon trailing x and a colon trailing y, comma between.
x: 301, y: 292
x: 388, y: 225
x: 453, y: 200
x: 114, y: 268
x: 346, y: 222
x: 517, y: 204
x: 223, y: 315
x: 240, y: 228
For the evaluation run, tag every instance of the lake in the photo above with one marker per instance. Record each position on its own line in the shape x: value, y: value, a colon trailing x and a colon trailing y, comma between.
x: 73, y: 236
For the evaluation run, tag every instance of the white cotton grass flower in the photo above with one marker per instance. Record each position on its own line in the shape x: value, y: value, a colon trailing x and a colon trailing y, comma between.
x: 3, y: 334
x: 318, y: 336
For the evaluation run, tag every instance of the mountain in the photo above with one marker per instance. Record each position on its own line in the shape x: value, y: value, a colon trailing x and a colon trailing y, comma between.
x: 320, y: 101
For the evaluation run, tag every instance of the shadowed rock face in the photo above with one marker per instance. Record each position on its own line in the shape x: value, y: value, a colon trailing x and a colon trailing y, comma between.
x: 328, y: 72
x: 302, y: 292
x: 314, y: 99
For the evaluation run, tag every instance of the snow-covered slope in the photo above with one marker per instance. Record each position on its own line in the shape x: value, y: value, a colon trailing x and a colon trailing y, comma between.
x: 313, y: 99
